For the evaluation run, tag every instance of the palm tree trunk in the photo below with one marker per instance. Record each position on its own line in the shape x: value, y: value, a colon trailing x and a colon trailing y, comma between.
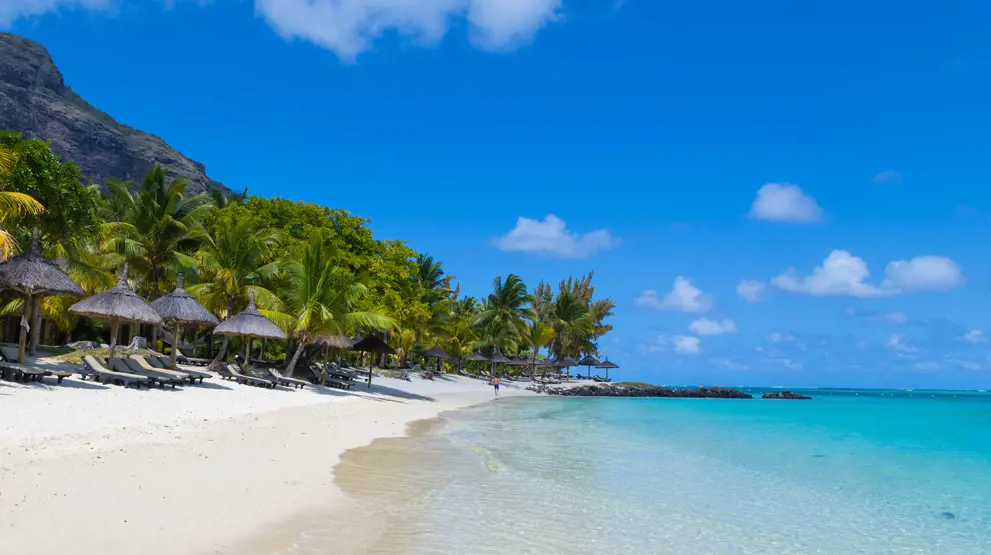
x: 215, y: 363
x: 300, y: 345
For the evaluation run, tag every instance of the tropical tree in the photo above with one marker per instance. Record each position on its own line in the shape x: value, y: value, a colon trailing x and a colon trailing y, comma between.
x: 233, y: 261
x: 538, y: 335
x: 166, y: 222
x: 504, y: 316
x: 320, y: 298
x: 571, y: 324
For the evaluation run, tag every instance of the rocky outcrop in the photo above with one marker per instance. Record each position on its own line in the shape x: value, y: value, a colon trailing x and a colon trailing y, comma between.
x: 35, y: 101
x: 642, y: 390
x: 784, y: 395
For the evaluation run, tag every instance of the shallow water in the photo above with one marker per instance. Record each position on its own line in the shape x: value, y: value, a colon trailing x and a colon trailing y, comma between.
x: 847, y: 473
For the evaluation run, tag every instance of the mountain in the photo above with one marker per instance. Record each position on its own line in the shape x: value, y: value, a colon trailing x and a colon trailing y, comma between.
x: 34, y: 100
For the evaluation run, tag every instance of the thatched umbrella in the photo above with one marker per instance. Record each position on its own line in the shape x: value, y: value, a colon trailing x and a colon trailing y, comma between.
x: 178, y: 308
x: 248, y: 324
x: 335, y: 341
x: 34, y: 276
x: 607, y: 365
x: 589, y: 361
x: 566, y: 362
x: 117, y: 303
x: 496, y: 360
x: 478, y: 357
x: 372, y: 344
x: 438, y: 353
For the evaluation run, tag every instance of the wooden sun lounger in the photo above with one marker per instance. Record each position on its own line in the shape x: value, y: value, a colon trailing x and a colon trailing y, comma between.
x: 163, y: 362
x: 139, y: 366
x: 103, y: 375
x: 250, y: 380
x: 28, y: 372
x: 282, y: 380
x: 163, y: 379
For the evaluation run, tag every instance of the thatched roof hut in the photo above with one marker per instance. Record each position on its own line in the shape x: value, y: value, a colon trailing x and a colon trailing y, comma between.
x: 116, y: 304
x: 436, y: 352
x: 179, y: 307
x: 250, y: 323
x: 34, y: 276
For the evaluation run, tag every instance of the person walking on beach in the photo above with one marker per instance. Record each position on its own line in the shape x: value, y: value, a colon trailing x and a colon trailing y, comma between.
x: 495, y: 385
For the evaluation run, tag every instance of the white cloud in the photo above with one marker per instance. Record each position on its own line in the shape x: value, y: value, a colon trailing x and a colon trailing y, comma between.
x: 965, y: 364
x: 705, y: 326
x: 922, y: 273
x: 888, y: 177
x: 12, y: 10
x: 687, y: 345
x: 683, y: 296
x: 784, y: 202
x: 552, y: 237
x: 349, y: 27
x: 842, y: 273
x: 776, y: 337
x: 897, y: 343
x: 975, y: 336
x: 751, y: 290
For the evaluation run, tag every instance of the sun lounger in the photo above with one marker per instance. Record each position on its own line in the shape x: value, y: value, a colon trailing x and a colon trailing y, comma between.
x: 162, y: 378
x: 141, y: 366
x: 156, y: 363
x: 103, y: 375
x: 29, y: 372
x: 282, y: 380
x: 250, y: 380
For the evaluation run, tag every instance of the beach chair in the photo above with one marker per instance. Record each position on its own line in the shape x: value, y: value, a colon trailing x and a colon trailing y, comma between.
x: 163, y: 379
x: 249, y: 380
x: 282, y: 380
x: 163, y: 363
x: 141, y: 366
x: 29, y: 372
x: 103, y: 375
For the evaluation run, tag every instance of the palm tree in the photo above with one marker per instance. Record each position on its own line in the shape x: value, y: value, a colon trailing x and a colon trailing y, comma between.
x: 320, y: 296
x: 8, y: 159
x: 232, y: 262
x: 12, y: 204
x: 538, y: 335
x: 166, y: 222
x: 506, y: 313
x: 571, y: 323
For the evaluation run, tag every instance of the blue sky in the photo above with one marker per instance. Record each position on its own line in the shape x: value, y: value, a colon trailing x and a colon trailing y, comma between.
x: 774, y: 193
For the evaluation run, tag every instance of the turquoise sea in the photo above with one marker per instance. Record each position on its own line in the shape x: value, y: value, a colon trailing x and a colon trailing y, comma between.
x: 850, y: 472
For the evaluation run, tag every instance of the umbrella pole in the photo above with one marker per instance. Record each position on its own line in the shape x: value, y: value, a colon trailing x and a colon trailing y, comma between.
x: 114, y: 324
x: 35, y: 324
x: 247, y: 352
x: 176, y: 330
x: 25, y: 314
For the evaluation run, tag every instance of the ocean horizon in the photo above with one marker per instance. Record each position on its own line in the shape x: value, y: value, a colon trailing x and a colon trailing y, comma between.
x: 850, y: 472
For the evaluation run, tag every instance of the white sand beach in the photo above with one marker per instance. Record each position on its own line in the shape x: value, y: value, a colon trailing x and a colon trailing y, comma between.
x: 89, y: 468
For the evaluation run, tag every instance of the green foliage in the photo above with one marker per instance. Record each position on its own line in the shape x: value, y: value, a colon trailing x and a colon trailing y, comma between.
x: 314, y: 270
x: 164, y: 222
x: 320, y: 297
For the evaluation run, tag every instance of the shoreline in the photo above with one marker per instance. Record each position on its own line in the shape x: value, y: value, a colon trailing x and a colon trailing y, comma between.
x: 198, y: 470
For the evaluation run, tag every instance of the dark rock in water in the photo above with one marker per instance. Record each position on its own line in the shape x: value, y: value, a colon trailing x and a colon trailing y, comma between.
x: 818, y: 456
x: 644, y: 390
x: 35, y: 101
x: 784, y: 395
x: 948, y: 515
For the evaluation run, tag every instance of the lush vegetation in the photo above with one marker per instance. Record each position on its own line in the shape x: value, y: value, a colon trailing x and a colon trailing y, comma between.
x: 315, y: 271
